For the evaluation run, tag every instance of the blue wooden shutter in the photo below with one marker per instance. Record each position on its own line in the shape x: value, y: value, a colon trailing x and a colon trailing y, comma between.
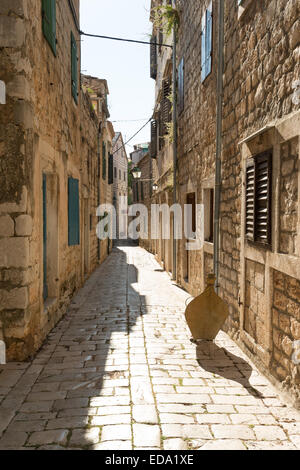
x: 73, y: 212
x: 203, y: 46
x: 181, y: 86
x: 208, y: 39
x: 206, y: 43
x: 74, y: 68
x: 49, y: 22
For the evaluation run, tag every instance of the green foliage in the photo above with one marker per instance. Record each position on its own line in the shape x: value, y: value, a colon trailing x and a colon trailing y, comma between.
x: 166, y: 18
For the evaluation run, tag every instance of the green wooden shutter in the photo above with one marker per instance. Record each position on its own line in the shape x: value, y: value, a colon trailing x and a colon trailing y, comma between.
x: 74, y: 68
x: 110, y: 169
x: 103, y: 160
x: 73, y: 212
x: 49, y: 22
x: 181, y: 86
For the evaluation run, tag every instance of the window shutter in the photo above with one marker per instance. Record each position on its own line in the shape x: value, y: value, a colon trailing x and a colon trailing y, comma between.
x: 181, y: 86
x: 153, y: 58
x: 74, y: 68
x: 103, y: 160
x: 206, y: 43
x: 137, y: 191
x: 142, y: 190
x: 250, y: 200
x: 208, y: 40
x: 263, y: 198
x: 166, y: 103
x: 73, y: 212
x: 153, y: 149
x: 160, y: 131
x: 49, y: 22
x: 110, y: 169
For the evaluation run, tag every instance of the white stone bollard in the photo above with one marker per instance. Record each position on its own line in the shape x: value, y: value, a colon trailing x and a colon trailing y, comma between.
x: 2, y: 353
x: 2, y: 92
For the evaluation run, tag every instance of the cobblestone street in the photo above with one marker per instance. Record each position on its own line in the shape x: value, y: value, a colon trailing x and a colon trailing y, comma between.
x: 119, y: 372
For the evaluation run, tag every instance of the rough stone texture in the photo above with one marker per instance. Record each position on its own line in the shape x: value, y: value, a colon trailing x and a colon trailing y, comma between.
x: 286, y: 329
x: 59, y: 143
x: 289, y: 196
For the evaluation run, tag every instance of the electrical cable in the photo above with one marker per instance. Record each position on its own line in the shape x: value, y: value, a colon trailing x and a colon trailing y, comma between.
x: 123, y: 146
x: 82, y: 33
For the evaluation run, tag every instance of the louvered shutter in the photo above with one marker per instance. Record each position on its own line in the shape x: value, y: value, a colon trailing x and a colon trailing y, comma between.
x: 153, y: 149
x: 142, y: 190
x: 203, y: 46
x: 166, y: 103
x: 160, y: 131
x: 250, y: 200
x: 73, y: 212
x: 153, y: 58
x: 74, y: 68
x: 263, y: 198
x: 49, y: 22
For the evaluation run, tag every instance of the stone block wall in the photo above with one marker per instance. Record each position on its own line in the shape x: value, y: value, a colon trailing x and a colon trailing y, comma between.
x: 42, y: 132
x: 286, y: 329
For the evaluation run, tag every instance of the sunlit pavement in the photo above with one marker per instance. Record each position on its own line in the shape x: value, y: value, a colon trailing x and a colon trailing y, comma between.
x: 120, y: 372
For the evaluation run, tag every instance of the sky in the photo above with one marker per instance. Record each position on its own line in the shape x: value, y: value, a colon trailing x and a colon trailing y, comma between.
x: 125, y: 66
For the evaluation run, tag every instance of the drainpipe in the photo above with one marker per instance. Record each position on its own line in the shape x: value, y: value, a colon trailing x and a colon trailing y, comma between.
x: 219, y: 144
x: 174, y: 274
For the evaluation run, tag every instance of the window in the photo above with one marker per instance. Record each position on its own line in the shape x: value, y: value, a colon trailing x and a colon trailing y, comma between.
x: 209, y: 195
x: 153, y: 58
x: 49, y: 22
x: 115, y: 172
x: 165, y: 105
x: 142, y: 190
x: 206, y: 43
x: 120, y: 175
x: 153, y: 146
x: 258, y: 198
x: 73, y: 212
x: 110, y: 169
x: 191, y: 201
x: 103, y: 160
x: 181, y: 86
x: 74, y: 68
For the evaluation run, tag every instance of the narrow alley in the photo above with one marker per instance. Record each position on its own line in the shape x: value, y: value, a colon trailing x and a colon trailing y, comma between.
x: 119, y: 372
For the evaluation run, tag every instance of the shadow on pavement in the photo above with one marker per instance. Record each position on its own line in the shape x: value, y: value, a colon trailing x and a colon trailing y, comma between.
x: 217, y: 360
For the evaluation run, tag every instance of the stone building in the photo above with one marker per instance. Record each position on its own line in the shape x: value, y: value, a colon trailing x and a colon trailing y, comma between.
x: 50, y: 166
x: 259, y: 274
x: 161, y: 131
x: 120, y: 186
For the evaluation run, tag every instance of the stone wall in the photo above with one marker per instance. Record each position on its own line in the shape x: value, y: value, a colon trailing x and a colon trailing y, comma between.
x: 286, y: 329
x: 42, y: 132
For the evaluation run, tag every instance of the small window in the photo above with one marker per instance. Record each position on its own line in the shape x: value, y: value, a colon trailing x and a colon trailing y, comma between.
x: 74, y: 68
x: 49, y: 22
x: 73, y: 212
x: 258, y: 198
x: 120, y: 175
x: 206, y: 43
x: 115, y: 172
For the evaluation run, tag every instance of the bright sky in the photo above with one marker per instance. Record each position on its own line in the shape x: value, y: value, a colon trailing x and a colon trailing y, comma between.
x: 125, y: 66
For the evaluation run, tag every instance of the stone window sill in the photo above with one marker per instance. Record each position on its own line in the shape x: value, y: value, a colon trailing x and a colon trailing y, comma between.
x: 243, y: 7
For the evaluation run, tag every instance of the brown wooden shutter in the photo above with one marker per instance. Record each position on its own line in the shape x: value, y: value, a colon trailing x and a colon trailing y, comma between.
x: 166, y: 103
x: 153, y: 58
x: 263, y: 188
x: 153, y: 150
x: 250, y: 199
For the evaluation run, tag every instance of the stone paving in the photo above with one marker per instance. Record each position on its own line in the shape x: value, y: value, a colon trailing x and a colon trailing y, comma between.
x: 119, y: 372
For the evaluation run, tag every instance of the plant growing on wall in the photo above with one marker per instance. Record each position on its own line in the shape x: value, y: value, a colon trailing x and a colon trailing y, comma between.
x: 166, y: 18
